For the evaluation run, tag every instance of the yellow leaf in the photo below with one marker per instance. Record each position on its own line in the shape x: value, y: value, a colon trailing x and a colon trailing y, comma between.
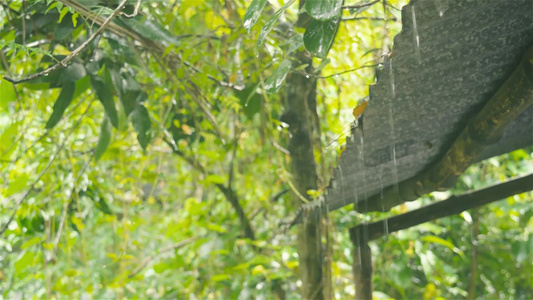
x: 259, y: 269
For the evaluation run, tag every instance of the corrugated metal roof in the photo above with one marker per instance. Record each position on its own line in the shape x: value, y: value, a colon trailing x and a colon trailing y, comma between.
x: 449, y: 59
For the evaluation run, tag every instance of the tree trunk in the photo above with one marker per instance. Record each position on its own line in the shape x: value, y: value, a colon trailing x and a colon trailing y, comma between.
x: 299, y: 113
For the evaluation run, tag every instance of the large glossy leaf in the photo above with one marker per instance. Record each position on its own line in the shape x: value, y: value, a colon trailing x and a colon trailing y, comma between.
x: 141, y: 123
x: 73, y: 72
x: 323, y: 10
x: 61, y: 104
x: 105, y: 137
x: 104, y: 94
x: 150, y: 30
x: 131, y: 93
x: 252, y: 13
x: 277, y: 78
x: 319, y: 36
x: 271, y: 22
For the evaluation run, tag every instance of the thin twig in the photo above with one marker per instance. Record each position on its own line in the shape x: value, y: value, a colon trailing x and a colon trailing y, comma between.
x: 369, y: 18
x: 343, y: 72
x: 63, y: 63
x: 65, y: 206
x: 168, y: 248
x: 356, y: 6
x: 135, y: 11
x: 50, y: 161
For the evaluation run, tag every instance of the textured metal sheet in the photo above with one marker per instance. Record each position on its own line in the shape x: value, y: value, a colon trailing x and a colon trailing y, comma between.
x: 449, y: 59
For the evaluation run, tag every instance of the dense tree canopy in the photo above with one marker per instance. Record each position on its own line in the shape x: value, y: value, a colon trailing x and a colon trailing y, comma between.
x: 144, y: 152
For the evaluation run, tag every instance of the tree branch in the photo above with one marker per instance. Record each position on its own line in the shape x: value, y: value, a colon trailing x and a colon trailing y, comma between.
x: 135, y: 11
x: 63, y: 63
x: 168, y: 248
x: 361, y: 5
x: 227, y: 191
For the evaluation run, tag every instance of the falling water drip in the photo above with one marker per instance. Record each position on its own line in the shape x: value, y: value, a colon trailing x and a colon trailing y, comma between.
x: 391, y: 120
x: 358, y: 239
x: 391, y: 79
x: 386, y: 221
x: 438, y: 5
x: 365, y: 193
x: 415, y: 35
x: 393, y: 151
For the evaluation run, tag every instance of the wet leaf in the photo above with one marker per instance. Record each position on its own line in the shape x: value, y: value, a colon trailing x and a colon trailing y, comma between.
x: 131, y: 94
x: 72, y: 73
x: 252, y: 13
x: 150, y: 30
x: 103, y: 93
x: 323, y: 10
x: 271, y: 22
x: 141, y: 123
x: 319, y: 36
x: 63, y: 101
x: 277, y: 78
x: 104, y: 138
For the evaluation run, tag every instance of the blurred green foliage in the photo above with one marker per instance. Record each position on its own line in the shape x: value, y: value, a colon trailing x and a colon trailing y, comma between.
x: 110, y: 167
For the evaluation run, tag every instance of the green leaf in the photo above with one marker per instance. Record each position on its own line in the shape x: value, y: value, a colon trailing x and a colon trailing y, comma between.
x: 438, y: 240
x: 131, y: 94
x: 61, y: 104
x: 323, y: 10
x: 277, y: 78
x: 72, y: 73
x: 161, y: 267
x: 33, y: 241
x: 104, y: 139
x: 319, y: 36
x: 322, y: 65
x: 271, y: 22
x: 215, y: 227
x: 81, y: 86
x: 220, y: 277
x: 103, y: 92
x: 252, y: 13
x: 64, y: 11
x: 8, y: 94
x: 150, y: 30
x: 23, y: 262
x: 141, y: 123
x: 74, y: 19
x: 17, y: 185
x: 215, y: 179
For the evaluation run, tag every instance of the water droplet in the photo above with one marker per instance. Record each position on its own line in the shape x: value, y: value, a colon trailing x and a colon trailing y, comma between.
x: 415, y: 35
